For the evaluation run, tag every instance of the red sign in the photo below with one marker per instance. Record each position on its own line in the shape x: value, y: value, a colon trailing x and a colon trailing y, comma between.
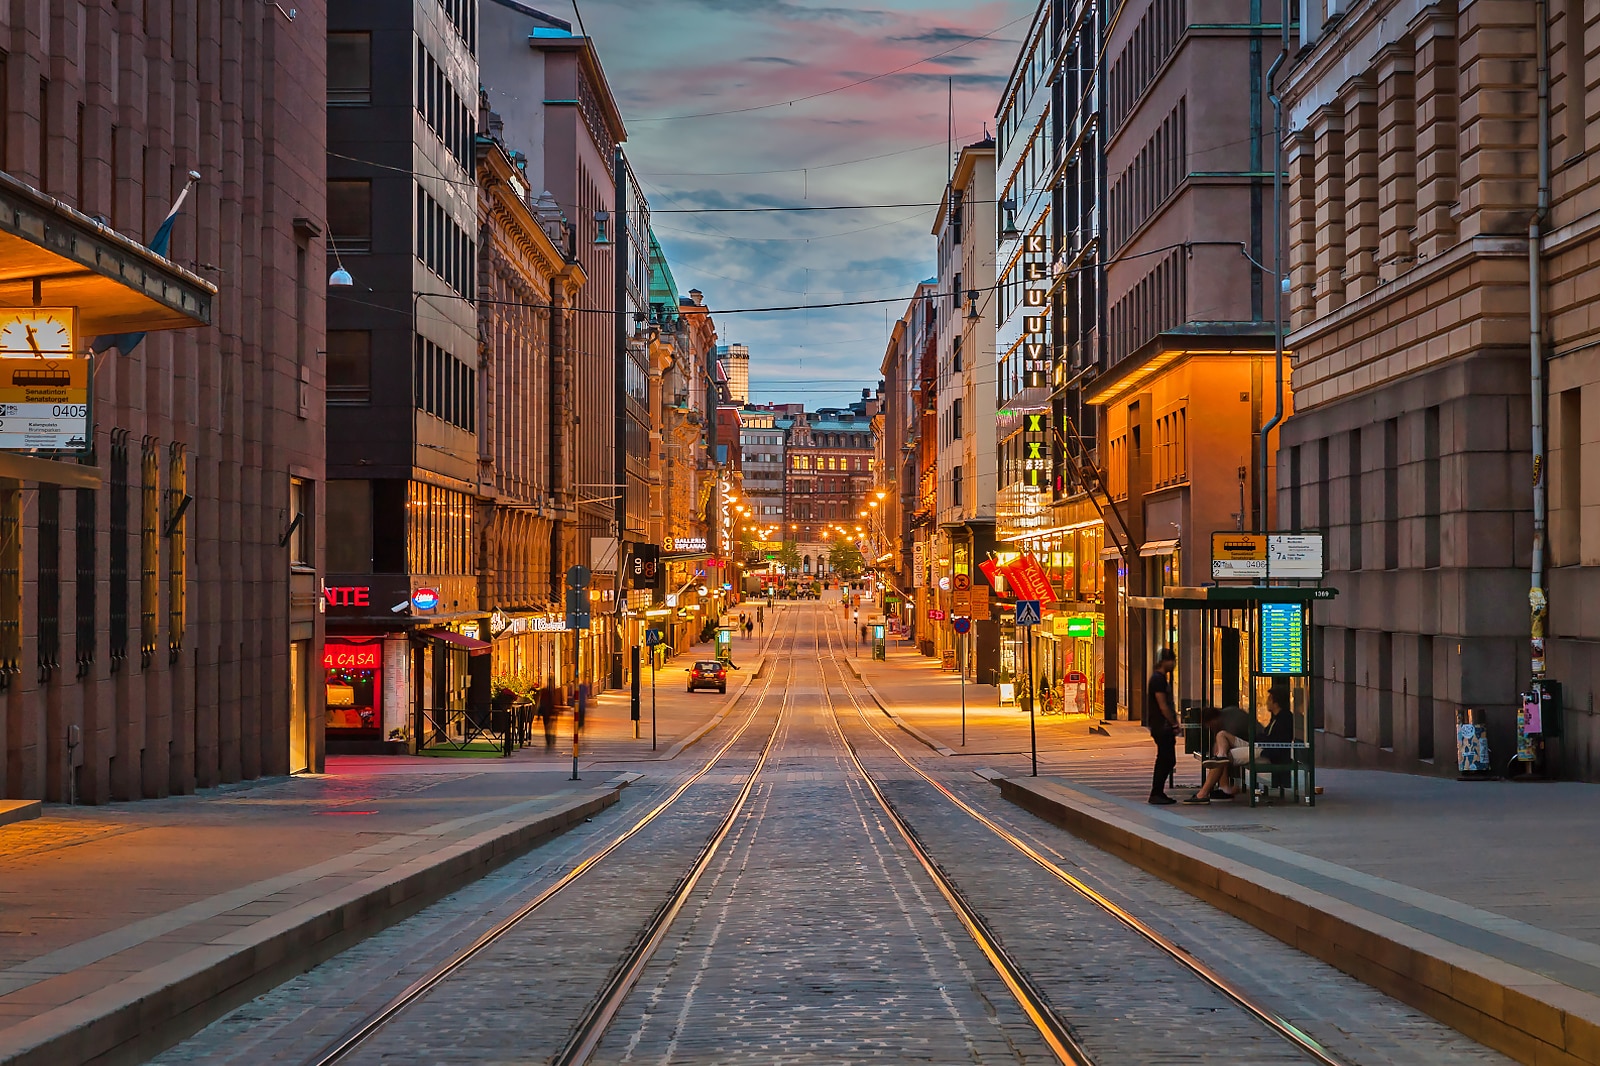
x: 347, y: 595
x: 351, y: 656
x: 935, y: 614
x: 1028, y: 579
x: 991, y: 570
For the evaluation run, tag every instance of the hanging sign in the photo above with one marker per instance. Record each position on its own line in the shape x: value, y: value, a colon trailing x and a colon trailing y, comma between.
x: 44, y: 383
x: 1238, y: 556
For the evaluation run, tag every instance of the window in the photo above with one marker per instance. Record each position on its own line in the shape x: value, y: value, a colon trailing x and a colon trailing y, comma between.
x: 349, y: 366
x: 49, y: 562
x: 83, y: 517
x: 301, y: 495
x: 119, y: 547
x: 178, y: 501
x: 149, y: 549
x: 955, y: 487
x: 955, y: 419
x: 955, y: 355
x: 10, y: 582
x: 349, y: 69
x: 350, y: 215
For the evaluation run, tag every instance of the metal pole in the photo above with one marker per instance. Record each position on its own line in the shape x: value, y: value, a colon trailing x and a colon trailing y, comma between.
x: 1263, y: 488
x: 964, y: 640
x: 1033, y: 697
x: 619, y: 394
x: 1537, y: 601
x: 653, y: 699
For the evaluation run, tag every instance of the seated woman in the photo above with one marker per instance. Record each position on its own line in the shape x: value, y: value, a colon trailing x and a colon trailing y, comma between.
x: 1227, y: 751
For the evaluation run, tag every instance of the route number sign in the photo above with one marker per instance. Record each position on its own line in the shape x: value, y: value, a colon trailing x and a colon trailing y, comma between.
x: 44, y: 404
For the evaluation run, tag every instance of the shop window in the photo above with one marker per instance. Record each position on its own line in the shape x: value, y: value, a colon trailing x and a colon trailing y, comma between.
x: 349, y: 69
x: 350, y: 215
x: 354, y: 679
x: 178, y: 501
x: 349, y: 366
x: 149, y: 549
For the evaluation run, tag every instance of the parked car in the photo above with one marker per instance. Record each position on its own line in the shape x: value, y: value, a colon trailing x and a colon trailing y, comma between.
x: 708, y: 673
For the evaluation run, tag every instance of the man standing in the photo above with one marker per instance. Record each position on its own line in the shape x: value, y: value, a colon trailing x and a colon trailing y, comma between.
x: 1162, y: 721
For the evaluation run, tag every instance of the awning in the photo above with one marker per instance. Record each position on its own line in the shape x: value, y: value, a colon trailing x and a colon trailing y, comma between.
x: 1158, y: 547
x: 471, y: 645
x: 118, y: 285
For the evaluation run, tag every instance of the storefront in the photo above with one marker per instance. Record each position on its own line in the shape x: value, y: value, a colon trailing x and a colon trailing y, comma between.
x: 354, y: 679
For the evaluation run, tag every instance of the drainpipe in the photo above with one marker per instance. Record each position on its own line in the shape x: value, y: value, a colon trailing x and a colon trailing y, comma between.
x: 1536, y: 593
x: 1265, y: 489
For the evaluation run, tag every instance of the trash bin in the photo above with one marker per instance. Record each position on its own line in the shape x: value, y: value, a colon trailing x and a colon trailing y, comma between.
x: 1472, y: 742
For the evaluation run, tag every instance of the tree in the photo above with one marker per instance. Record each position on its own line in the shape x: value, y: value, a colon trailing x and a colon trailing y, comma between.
x: 845, y: 558
x: 789, y: 557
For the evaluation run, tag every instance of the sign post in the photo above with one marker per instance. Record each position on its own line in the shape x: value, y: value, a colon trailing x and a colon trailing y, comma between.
x: 652, y: 637
x: 1028, y: 615
x: 962, y: 626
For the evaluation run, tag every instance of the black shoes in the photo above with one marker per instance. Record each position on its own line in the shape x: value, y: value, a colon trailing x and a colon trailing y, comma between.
x: 1162, y: 800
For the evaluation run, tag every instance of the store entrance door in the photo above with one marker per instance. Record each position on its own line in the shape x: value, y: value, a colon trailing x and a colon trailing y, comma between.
x: 299, y: 706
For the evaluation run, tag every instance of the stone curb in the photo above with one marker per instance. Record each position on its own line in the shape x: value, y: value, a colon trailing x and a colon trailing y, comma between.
x: 179, y: 996
x: 920, y: 736
x: 19, y: 810
x: 1527, y: 1016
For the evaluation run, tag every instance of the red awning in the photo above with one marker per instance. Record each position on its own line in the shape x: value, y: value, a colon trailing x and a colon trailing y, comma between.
x: 471, y: 645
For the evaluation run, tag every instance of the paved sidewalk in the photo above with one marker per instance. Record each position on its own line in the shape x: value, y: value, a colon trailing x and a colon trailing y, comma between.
x: 1498, y: 872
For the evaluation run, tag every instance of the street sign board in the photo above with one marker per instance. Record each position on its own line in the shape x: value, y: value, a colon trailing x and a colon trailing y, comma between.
x: 652, y: 637
x: 963, y: 624
x: 1238, y: 556
x: 1295, y: 556
x: 961, y: 582
x: 577, y: 577
x: 1283, y: 642
x: 44, y: 404
x: 1028, y: 612
x: 577, y: 614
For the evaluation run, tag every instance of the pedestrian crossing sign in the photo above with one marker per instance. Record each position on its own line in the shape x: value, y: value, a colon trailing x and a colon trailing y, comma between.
x: 652, y: 637
x: 1028, y: 612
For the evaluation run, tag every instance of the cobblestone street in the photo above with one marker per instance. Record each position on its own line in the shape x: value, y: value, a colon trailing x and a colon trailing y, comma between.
x: 813, y: 934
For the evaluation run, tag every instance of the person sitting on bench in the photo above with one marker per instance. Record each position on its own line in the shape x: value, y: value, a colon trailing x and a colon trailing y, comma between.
x: 1227, y: 751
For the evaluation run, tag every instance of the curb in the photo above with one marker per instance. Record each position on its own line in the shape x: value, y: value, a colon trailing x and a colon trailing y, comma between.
x: 1525, y: 1015
x: 19, y: 810
x: 133, y: 1018
x: 918, y: 734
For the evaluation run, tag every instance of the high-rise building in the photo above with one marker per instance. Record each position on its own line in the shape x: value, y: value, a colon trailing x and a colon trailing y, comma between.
x: 735, y: 359
x: 159, y: 590
x: 404, y: 369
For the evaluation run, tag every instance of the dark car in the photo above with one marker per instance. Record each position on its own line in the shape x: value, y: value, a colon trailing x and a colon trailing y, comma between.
x: 708, y: 673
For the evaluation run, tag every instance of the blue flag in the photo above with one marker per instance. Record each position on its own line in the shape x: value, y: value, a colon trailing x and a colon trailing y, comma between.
x: 127, y: 342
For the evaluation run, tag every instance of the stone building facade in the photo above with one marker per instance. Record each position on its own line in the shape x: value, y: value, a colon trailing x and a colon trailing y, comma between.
x: 167, y: 637
x: 1414, y: 174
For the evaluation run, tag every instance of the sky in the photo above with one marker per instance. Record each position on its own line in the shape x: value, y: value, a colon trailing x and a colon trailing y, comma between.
x: 673, y: 64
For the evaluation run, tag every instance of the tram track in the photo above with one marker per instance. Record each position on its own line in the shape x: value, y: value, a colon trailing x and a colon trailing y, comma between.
x: 1304, y: 1044
x: 626, y: 972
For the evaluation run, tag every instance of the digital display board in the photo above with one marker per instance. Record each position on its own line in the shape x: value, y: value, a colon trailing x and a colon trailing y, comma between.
x: 1283, y: 642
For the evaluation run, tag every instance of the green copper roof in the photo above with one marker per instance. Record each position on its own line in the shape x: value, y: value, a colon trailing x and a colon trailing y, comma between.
x: 663, y: 287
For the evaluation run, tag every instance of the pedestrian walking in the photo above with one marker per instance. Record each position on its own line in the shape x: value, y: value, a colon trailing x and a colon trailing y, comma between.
x: 1162, y: 721
x: 547, y: 712
x: 749, y: 628
x: 583, y: 707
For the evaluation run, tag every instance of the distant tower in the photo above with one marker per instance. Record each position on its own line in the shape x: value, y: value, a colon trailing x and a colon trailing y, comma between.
x: 735, y: 360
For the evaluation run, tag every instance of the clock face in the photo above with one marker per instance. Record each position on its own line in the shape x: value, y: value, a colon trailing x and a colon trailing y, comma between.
x: 37, y: 331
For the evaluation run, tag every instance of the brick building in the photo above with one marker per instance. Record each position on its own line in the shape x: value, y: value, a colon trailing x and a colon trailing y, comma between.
x: 829, y: 479
x: 158, y: 606
x: 1414, y: 177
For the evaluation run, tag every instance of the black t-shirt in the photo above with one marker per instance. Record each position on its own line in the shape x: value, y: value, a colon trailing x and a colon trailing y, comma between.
x: 1154, y: 718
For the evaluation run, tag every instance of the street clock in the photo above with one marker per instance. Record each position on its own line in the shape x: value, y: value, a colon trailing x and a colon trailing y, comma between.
x: 38, y: 332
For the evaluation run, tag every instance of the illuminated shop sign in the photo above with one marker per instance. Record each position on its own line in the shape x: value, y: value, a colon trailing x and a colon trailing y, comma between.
x: 347, y: 595
x: 1036, y: 320
x: 351, y: 656
x: 684, y: 544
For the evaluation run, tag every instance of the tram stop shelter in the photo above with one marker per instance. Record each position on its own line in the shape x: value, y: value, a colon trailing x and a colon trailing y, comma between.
x: 1255, y: 664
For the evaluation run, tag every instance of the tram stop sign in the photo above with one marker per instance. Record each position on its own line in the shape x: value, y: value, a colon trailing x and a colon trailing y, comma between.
x: 963, y: 624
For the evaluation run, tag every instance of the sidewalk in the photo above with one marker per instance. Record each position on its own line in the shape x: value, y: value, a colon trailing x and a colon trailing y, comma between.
x: 1474, y: 901
x: 116, y: 921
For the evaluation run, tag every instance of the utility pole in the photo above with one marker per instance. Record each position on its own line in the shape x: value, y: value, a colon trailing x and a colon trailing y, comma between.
x: 620, y: 400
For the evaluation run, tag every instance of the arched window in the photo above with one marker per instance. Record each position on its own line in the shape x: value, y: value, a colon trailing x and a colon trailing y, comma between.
x: 806, y: 563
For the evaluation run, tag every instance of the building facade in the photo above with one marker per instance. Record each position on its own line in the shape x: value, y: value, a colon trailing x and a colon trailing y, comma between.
x: 828, y: 481
x: 735, y: 359
x: 408, y: 625
x: 159, y: 629
x: 965, y: 395
x: 1414, y: 193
